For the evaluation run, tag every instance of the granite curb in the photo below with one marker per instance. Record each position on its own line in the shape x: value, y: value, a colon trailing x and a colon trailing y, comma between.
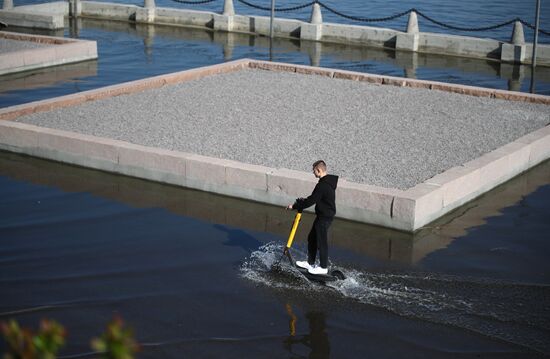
x: 62, y: 51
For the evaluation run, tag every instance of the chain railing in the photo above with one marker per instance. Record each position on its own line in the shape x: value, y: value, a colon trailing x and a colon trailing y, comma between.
x: 191, y: 2
x: 363, y: 19
x: 381, y: 19
x: 277, y: 9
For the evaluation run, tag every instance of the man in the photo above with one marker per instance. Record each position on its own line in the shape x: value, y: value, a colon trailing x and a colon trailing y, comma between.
x: 323, y: 197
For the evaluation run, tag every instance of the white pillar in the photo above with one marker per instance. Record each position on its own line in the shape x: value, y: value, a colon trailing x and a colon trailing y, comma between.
x: 7, y: 5
x: 147, y: 13
x: 75, y: 8
x: 313, y: 30
x: 412, y: 25
x: 515, y: 51
x: 228, y: 9
x: 316, y: 17
x: 409, y: 41
x: 518, y: 37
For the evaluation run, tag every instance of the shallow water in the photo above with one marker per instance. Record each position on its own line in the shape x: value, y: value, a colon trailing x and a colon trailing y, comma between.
x: 191, y: 272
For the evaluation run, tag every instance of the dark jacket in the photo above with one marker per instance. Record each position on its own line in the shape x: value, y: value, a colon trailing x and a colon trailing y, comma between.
x: 322, y: 197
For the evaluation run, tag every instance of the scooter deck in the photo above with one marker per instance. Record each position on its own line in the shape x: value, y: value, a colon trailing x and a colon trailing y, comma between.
x: 323, y: 278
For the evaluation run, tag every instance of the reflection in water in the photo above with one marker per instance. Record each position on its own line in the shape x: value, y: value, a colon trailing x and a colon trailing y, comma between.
x: 141, y: 257
x: 316, y: 340
x: 375, y: 242
x: 358, y: 58
x: 46, y: 77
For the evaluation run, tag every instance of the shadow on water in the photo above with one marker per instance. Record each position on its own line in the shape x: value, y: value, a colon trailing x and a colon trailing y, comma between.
x: 452, y: 285
x: 239, y: 238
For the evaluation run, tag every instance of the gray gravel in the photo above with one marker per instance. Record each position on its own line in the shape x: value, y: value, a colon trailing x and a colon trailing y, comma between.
x: 380, y: 135
x: 9, y: 45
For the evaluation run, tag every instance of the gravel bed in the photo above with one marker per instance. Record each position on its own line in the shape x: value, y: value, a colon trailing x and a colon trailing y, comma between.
x: 380, y: 135
x: 9, y: 45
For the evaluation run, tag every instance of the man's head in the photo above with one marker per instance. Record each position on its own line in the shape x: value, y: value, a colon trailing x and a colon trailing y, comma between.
x: 319, y: 169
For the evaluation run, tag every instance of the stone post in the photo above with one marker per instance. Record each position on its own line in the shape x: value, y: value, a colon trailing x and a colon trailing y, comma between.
x: 409, y: 41
x: 517, y: 34
x: 75, y: 8
x: 313, y: 30
x: 228, y: 9
x: 147, y: 13
x: 316, y: 16
x: 224, y: 22
x: 7, y: 5
x: 515, y: 50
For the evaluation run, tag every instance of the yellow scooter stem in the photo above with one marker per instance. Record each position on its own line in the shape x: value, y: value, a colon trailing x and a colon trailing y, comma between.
x: 293, y: 230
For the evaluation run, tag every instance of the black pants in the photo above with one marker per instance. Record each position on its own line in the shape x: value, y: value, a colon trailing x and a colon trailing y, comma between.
x: 318, y: 240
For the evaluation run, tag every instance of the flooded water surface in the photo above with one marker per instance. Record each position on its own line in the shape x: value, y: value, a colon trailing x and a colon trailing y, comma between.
x: 193, y: 273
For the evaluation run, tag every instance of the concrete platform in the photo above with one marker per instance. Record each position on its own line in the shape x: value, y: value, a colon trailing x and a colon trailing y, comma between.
x: 50, y: 16
x: 406, y: 209
x: 22, y: 52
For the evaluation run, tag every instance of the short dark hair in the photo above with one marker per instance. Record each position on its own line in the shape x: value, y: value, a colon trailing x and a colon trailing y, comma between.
x: 321, y: 164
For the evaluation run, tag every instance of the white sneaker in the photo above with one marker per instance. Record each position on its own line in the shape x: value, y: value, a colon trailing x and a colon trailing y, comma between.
x: 318, y: 270
x: 304, y: 264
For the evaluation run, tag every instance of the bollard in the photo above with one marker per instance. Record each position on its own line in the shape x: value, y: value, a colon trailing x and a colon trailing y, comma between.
x: 409, y: 41
x: 517, y: 34
x: 147, y: 13
x: 316, y: 17
x: 228, y: 9
x: 412, y: 24
x: 515, y: 50
x: 7, y: 5
x: 313, y: 30
x: 224, y: 22
x: 75, y: 8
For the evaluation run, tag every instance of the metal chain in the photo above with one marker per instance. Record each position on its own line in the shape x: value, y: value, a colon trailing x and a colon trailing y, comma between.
x: 533, y: 27
x: 381, y: 19
x: 188, y: 2
x: 294, y: 8
x: 364, y: 19
x: 465, y: 28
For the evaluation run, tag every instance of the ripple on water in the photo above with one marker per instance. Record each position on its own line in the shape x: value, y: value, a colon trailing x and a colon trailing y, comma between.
x: 514, y: 312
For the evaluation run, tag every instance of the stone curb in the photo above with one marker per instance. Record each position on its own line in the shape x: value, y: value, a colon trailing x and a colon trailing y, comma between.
x: 401, y: 82
x: 404, y: 210
x: 41, y: 39
x: 459, y: 185
x: 61, y: 51
x: 277, y: 186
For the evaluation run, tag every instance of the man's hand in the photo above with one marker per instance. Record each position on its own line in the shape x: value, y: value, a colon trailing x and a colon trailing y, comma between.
x: 289, y: 207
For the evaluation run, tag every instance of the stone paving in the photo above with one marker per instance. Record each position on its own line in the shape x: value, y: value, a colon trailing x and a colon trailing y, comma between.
x: 387, y: 136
